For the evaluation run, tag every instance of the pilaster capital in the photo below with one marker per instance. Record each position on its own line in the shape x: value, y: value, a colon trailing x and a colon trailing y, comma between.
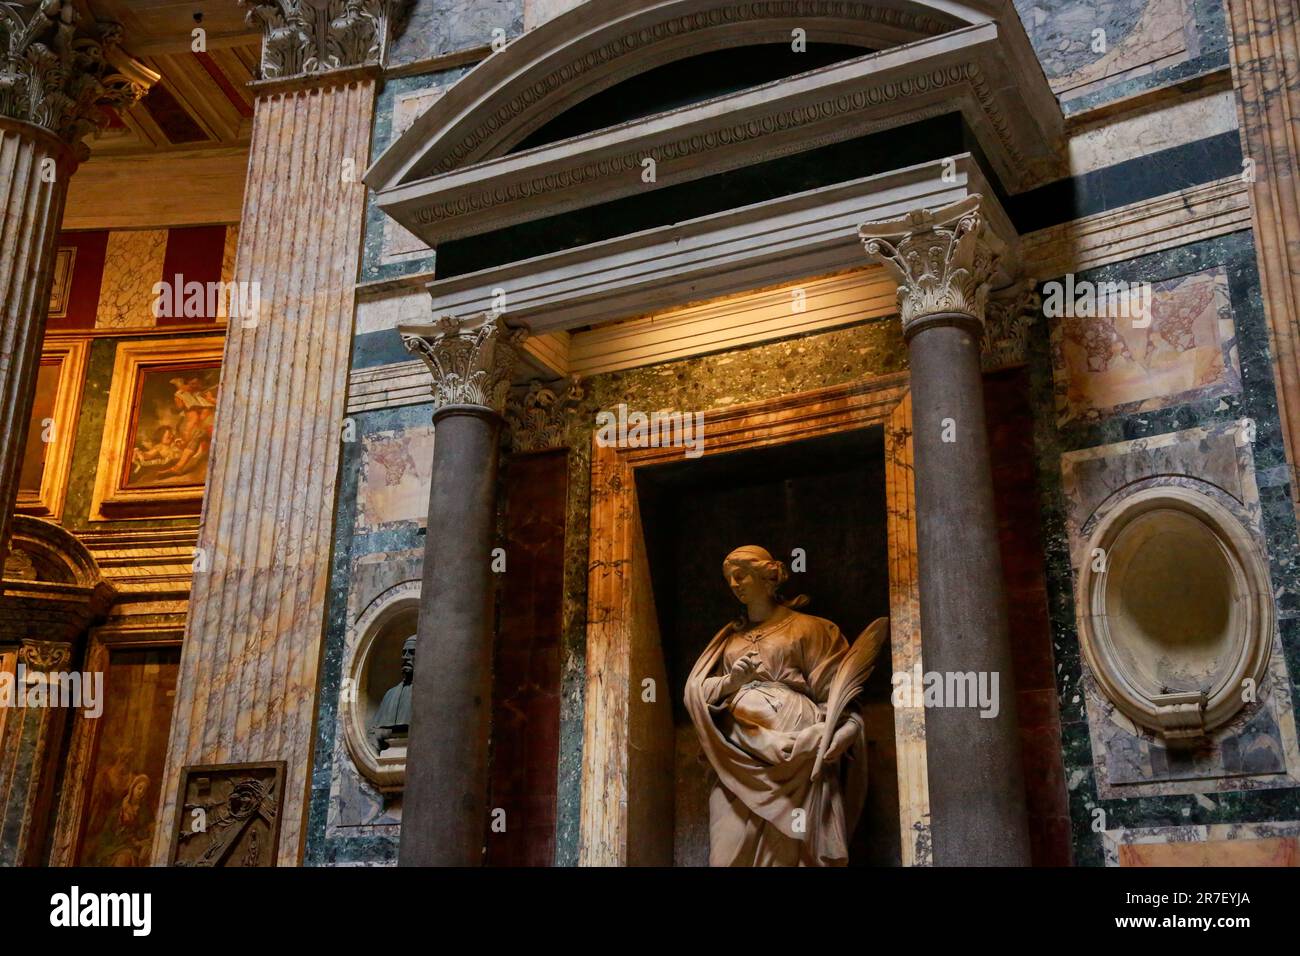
x: 57, y: 71
x: 944, y: 260
x: 471, y: 360
x: 44, y: 655
x: 312, y: 37
x: 540, y: 416
x: 1010, y: 314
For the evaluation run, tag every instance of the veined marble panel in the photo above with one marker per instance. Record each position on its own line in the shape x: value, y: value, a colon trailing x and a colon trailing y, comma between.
x: 400, y: 245
x: 396, y: 472
x: 440, y: 28
x: 1167, y: 123
x: 1186, y: 350
x: 1216, y: 844
x: 1136, y: 35
x: 537, y: 12
x: 1258, y: 748
x: 133, y: 262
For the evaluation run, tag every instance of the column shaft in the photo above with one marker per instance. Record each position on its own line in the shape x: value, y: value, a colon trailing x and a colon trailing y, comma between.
x: 945, y: 261
x: 34, y: 171
x: 444, y: 812
x: 977, y: 802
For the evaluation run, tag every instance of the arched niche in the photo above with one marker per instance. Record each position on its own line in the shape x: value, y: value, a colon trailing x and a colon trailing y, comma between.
x: 373, y: 665
x: 1178, y: 612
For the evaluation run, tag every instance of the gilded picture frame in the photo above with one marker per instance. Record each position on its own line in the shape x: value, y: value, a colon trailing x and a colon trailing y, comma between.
x: 52, y: 429
x: 158, y: 429
x: 87, y: 753
x: 65, y: 260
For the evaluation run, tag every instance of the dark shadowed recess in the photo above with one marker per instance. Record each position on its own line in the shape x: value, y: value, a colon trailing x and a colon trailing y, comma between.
x: 824, y: 495
x: 686, y: 82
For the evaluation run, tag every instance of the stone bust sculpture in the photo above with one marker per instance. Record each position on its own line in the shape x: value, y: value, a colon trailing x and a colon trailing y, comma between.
x: 393, y: 718
x: 771, y: 699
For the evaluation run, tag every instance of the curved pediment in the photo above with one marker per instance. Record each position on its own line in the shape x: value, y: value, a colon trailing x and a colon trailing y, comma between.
x: 596, y: 45
x: 43, y: 551
x: 453, y: 172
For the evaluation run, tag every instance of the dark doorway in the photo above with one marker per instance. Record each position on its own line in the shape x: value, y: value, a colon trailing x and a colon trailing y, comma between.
x: 823, y: 495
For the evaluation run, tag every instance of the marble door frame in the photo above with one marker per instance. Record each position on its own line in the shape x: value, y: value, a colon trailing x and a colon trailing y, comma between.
x: 622, y: 644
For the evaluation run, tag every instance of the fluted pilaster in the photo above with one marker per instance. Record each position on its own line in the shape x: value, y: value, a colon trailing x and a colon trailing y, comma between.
x: 246, y: 687
x: 1266, y: 72
x: 944, y: 262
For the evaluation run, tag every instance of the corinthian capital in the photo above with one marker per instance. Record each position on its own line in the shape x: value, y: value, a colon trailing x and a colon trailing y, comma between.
x: 471, y: 361
x: 308, y: 37
x: 57, y: 72
x: 943, y: 260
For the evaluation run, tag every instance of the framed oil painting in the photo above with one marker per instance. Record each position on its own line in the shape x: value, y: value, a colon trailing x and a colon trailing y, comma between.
x: 113, y: 775
x: 47, y: 456
x: 158, y: 431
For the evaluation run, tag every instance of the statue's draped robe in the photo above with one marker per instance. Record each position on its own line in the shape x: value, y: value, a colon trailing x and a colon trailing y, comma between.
x: 762, y: 743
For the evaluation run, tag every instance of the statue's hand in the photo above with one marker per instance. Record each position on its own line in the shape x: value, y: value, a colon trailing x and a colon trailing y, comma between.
x: 842, y: 741
x: 744, y: 670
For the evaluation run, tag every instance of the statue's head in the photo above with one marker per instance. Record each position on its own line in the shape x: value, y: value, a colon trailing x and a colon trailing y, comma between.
x: 408, y: 659
x: 751, y: 573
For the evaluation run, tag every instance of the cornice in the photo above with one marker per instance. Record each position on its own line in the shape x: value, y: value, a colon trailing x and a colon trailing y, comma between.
x: 958, y: 71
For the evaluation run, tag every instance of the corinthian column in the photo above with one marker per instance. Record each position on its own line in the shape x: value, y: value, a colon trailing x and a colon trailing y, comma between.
x: 444, y: 805
x: 55, y: 78
x: 943, y: 262
x: 246, y: 690
x: 1266, y: 72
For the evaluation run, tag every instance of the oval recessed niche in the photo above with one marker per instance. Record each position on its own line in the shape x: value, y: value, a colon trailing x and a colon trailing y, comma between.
x: 1178, y: 610
x: 374, y: 664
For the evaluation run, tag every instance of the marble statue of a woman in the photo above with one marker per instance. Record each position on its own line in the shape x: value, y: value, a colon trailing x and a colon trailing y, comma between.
x: 770, y: 700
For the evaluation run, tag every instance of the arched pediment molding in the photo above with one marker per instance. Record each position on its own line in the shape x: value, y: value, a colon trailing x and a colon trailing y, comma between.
x: 52, y: 586
x: 55, y: 555
x: 596, y: 45
x: 452, y: 173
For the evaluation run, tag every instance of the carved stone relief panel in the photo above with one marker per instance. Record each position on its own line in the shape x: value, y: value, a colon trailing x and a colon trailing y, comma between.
x: 228, y: 815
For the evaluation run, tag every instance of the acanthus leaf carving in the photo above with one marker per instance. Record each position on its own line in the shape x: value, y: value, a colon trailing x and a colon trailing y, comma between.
x: 1010, y: 315
x: 471, y: 363
x: 309, y: 37
x: 44, y: 656
x: 59, y: 74
x: 943, y: 260
x: 540, y: 417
